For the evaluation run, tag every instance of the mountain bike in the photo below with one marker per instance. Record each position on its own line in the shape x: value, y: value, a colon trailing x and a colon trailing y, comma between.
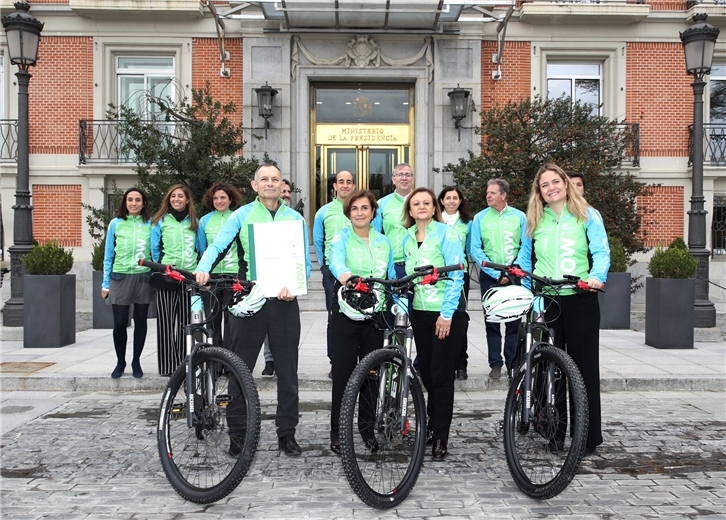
x: 383, y: 412
x: 546, y: 412
x: 210, y: 404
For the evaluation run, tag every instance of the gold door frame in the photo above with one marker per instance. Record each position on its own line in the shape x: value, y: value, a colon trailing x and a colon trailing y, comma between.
x: 360, y: 137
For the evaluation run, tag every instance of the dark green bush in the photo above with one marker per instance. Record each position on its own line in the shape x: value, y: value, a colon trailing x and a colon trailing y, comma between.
x: 678, y: 243
x: 48, y: 259
x: 618, y: 259
x: 97, y: 255
x: 673, y: 262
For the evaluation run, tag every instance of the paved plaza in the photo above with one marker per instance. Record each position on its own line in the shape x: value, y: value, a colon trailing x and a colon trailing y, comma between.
x: 93, y: 456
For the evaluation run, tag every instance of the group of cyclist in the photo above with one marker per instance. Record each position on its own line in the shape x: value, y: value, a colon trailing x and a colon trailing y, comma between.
x: 358, y: 236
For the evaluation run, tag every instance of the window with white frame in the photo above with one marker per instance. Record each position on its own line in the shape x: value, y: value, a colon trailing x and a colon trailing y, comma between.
x: 580, y: 81
x: 140, y: 79
x: 717, y: 85
x: 138, y: 75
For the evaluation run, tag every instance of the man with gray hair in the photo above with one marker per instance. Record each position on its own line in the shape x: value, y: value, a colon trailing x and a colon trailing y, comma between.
x: 496, y: 236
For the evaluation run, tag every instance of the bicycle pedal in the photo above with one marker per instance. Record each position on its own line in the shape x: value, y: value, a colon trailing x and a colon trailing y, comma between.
x: 223, y: 400
x: 177, y: 409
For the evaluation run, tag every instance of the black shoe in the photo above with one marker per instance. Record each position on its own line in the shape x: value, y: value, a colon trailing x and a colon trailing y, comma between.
x: 429, y: 437
x: 439, y: 450
x: 269, y: 369
x: 235, y: 446
x: 288, y: 446
x: 590, y: 450
x: 496, y: 373
x: 330, y: 374
x: 335, y: 447
x: 136, y: 368
x: 118, y: 371
x: 461, y: 374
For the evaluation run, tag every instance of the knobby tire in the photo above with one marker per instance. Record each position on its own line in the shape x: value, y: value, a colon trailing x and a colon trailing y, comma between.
x: 382, y: 461
x: 196, y: 460
x: 544, y: 455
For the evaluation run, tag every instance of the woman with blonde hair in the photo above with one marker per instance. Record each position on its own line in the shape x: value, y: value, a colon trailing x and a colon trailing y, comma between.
x: 174, y: 241
x: 567, y: 237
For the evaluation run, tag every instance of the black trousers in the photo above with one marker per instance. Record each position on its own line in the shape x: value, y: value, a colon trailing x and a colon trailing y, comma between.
x: 351, y: 342
x: 576, y: 322
x: 172, y: 309
x: 437, y: 365
x: 280, y: 322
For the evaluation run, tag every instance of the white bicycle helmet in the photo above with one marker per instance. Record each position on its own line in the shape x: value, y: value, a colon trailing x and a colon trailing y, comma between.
x: 247, y: 304
x: 503, y: 304
x: 356, y: 305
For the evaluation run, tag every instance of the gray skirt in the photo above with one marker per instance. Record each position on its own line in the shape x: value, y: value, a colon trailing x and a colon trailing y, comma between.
x: 126, y: 289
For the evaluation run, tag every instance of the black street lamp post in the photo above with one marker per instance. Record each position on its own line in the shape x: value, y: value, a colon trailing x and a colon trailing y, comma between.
x: 23, y: 35
x: 699, y: 42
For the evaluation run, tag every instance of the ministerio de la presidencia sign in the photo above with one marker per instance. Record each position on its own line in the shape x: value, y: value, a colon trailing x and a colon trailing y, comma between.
x: 392, y: 135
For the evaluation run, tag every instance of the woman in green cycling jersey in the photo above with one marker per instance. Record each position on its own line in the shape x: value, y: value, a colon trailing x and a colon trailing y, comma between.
x: 358, y: 250
x: 438, y: 317
x: 455, y: 213
x: 222, y: 198
x: 175, y: 241
x: 566, y: 236
x: 124, y: 281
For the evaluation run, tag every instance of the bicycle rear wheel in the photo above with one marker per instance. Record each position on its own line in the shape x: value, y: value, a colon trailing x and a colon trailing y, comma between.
x: 382, y: 458
x: 543, y: 455
x: 197, y: 461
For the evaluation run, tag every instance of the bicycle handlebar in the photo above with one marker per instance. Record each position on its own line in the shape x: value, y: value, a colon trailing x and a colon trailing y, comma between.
x: 180, y: 275
x: 517, y: 271
x: 429, y: 273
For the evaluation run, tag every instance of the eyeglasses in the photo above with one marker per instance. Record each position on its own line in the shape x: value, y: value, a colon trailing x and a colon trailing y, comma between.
x: 404, y: 175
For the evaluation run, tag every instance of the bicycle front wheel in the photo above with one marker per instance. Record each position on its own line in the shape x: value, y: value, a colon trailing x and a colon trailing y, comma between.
x: 381, y: 452
x: 206, y: 462
x: 544, y: 453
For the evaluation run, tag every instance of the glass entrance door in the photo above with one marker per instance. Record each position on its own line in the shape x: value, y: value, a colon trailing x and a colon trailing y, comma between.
x: 371, y: 166
x: 365, y: 129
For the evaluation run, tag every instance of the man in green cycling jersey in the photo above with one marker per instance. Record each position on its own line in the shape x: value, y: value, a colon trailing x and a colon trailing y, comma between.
x: 328, y: 221
x: 496, y: 235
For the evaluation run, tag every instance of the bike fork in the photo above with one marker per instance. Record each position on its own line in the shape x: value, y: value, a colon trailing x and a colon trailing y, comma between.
x: 196, y: 318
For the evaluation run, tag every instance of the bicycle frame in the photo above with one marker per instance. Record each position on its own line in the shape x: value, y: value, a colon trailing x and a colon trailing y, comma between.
x: 401, y: 329
x: 535, y: 322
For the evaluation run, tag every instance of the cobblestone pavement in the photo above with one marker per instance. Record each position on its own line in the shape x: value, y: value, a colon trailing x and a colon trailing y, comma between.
x: 93, y: 456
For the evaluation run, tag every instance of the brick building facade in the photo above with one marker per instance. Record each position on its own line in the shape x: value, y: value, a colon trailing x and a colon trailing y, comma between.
x: 90, y: 49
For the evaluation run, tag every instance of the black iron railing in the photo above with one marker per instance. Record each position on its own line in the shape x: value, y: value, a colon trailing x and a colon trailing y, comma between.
x: 8, y: 140
x: 632, y: 153
x: 714, y: 144
x: 103, y: 140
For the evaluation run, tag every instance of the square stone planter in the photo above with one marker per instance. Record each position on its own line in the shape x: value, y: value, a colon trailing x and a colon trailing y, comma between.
x: 102, y: 310
x: 49, y: 315
x: 669, y: 312
x: 615, y: 302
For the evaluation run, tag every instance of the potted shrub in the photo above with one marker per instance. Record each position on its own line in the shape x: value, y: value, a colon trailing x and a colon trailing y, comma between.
x: 615, y: 301
x: 669, y: 297
x: 49, y: 316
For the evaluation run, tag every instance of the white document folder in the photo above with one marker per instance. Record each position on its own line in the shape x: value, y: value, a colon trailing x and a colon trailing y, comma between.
x: 277, y: 257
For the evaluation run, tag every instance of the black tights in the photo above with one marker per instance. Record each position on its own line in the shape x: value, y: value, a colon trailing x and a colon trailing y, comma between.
x: 120, y: 323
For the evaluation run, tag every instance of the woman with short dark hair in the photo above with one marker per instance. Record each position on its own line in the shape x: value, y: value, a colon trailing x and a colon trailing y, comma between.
x: 438, y: 317
x: 357, y: 250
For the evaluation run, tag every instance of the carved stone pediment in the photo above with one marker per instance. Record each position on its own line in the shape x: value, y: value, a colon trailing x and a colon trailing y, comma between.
x: 362, y: 51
